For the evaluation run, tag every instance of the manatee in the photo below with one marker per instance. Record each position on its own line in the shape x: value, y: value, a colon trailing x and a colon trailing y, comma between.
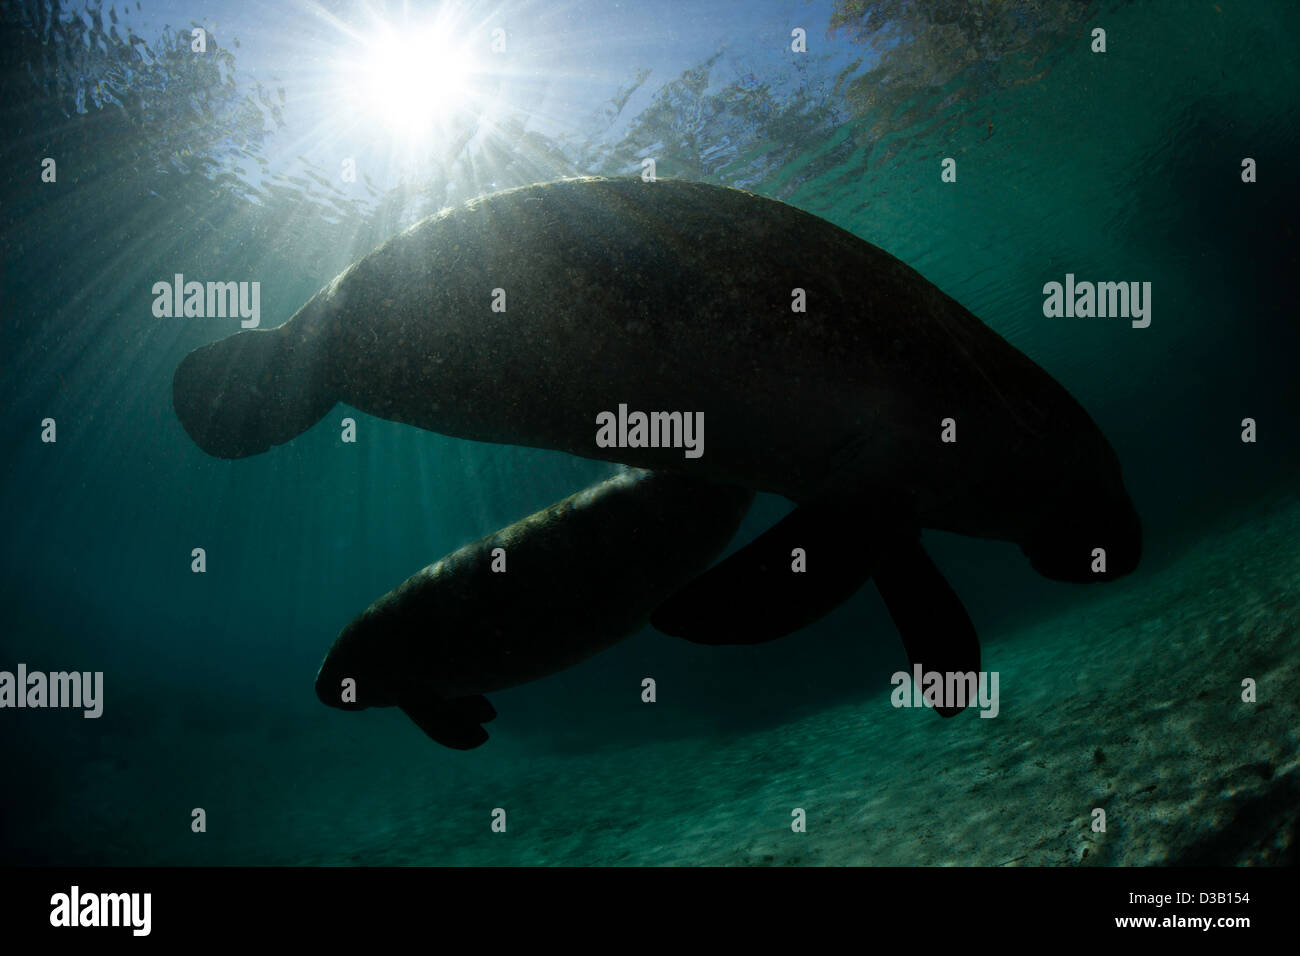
x: 578, y: 577
x: 822, y: 368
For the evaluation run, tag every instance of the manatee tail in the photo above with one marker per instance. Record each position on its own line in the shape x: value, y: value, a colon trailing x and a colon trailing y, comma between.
x: 258, y: 388
x: 756, y: 595
x: 796, y: 572
x: 452, y: 723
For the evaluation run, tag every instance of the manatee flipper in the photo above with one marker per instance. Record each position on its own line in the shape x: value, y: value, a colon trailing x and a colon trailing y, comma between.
x: 452, y: 723
x: 258, y: 388
x: 936, y: 630
x: 755, y: 595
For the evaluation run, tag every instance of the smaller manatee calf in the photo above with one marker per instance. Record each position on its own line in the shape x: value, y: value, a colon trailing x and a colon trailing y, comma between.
x: 579, y: 576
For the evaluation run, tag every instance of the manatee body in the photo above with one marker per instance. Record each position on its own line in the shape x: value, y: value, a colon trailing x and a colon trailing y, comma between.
x: 622, y: 295
x: 677, y: 296
x: 579, y: 576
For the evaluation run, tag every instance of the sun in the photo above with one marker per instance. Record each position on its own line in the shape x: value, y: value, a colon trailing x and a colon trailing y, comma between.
x: 413, y: 81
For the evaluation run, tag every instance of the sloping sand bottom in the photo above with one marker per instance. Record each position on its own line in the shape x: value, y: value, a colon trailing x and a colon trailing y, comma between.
x: 1131, y: 703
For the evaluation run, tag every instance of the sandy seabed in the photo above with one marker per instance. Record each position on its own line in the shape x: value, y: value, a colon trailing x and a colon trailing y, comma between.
x: 1130, y: 702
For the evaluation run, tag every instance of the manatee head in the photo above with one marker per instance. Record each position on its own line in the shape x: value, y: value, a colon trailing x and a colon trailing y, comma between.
x: 381, y: 649
x: 329, y: 683
x: 346, y: 661
x: 1090, y: 510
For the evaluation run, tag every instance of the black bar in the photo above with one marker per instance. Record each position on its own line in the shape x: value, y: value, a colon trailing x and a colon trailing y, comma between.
x: 922, y: 906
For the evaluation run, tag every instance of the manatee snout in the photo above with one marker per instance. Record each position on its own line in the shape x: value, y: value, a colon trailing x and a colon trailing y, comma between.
x: 1088, y: 540
x: 329, y: 686
x: 334, y: 670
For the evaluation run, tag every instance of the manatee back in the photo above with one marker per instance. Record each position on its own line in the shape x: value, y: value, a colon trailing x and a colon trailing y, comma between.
x: 579, y: 576
x: 678, y: 296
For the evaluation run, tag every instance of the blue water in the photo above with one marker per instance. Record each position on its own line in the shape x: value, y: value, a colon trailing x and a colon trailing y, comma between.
x: 228, y: 165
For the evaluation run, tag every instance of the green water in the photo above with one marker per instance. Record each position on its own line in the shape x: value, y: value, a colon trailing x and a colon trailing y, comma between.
x: 1116, y: 166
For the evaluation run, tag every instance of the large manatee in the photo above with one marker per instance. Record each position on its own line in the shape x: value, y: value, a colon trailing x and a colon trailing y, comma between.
x: 820, y: 367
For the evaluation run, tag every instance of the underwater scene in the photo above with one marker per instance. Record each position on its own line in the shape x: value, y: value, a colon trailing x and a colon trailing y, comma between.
x: 746, y: 432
